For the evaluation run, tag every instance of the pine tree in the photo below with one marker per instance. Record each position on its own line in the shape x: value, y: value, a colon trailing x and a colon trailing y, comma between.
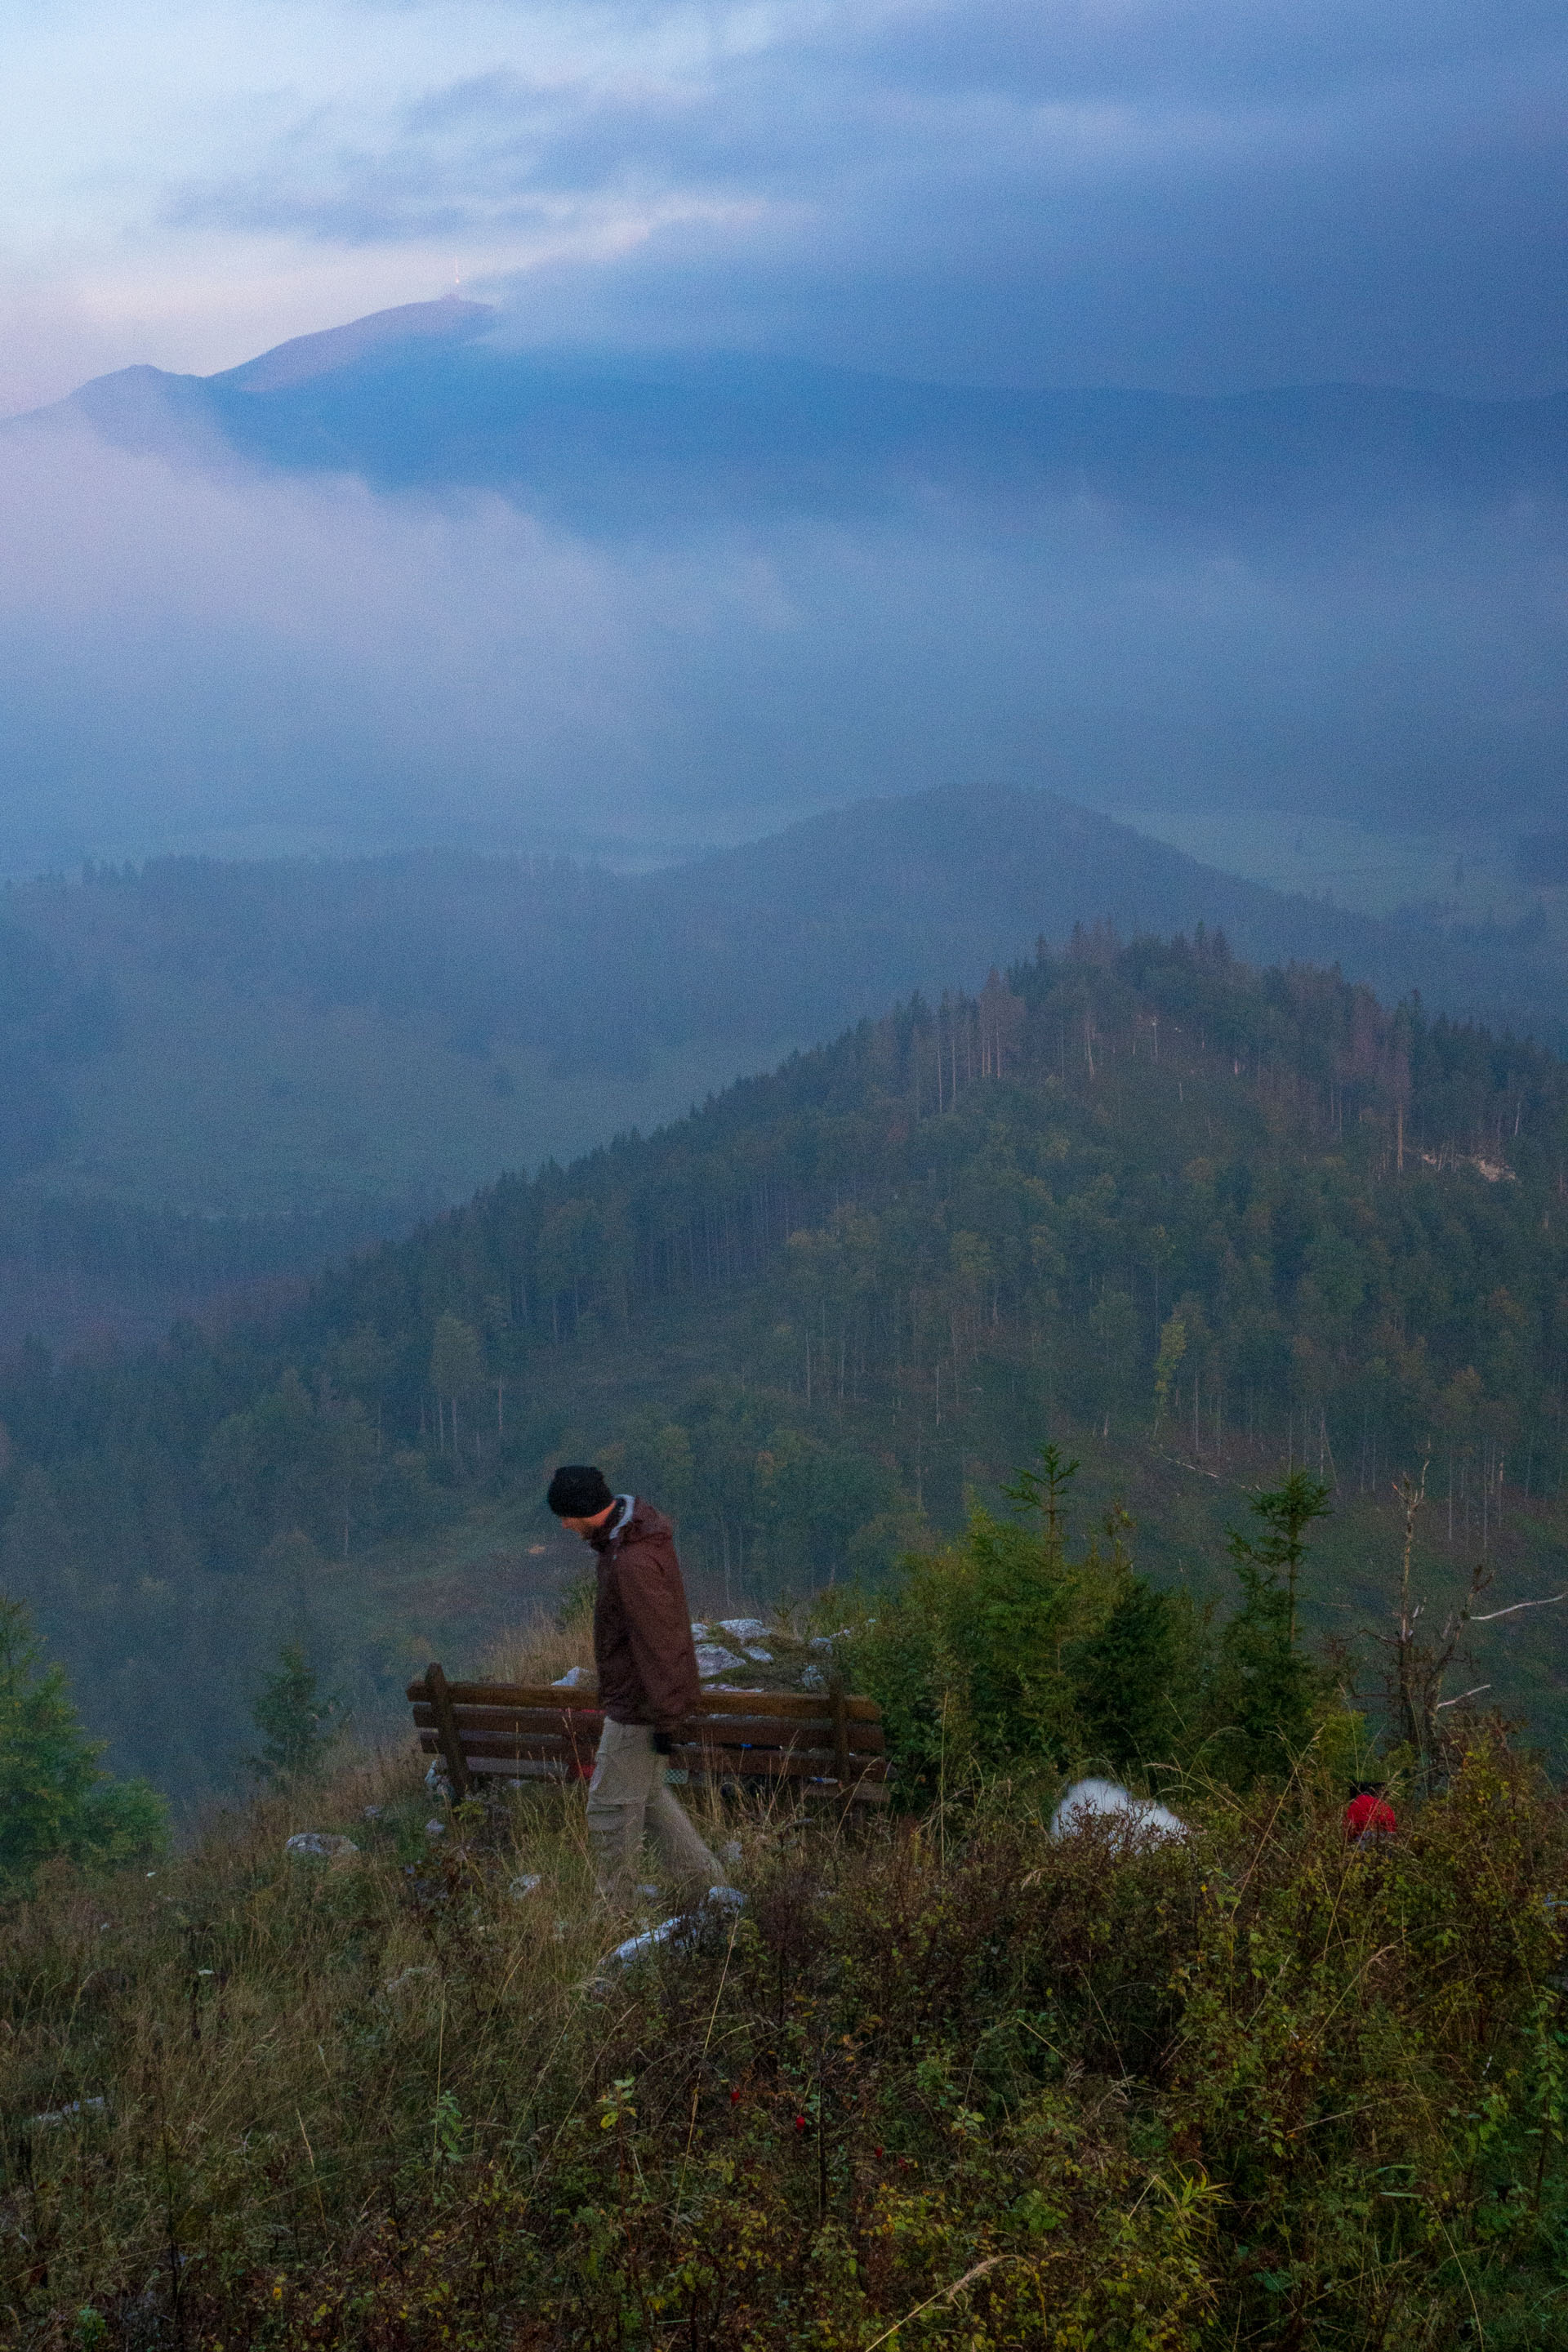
x: 1265, y: 1691
x: 298, y: 1726
x: 54, y: 1798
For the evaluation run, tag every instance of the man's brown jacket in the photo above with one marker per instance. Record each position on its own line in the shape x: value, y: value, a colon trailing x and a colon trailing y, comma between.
x: 642, y: 1626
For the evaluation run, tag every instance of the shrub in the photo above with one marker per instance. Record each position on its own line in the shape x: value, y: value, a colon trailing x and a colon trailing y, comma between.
x: 55, y: 1801
x: 961, y: 2083
x: 1003, y: 1654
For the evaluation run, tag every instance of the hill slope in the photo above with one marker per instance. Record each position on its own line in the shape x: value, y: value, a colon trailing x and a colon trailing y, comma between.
x: 430, y: 397
x: 1199, y: 1223
x: 336, y: 1048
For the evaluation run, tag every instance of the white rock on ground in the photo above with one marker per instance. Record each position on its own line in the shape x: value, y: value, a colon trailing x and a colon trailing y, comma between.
x: 318, y: 1845
x: 1139, y: 1819
x: 574, y: 1678
x: 713, y: 1659
x: 718, y: 1899
x: 744, y: 1629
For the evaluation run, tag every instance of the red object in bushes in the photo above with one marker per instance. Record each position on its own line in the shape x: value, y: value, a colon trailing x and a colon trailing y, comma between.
x: 1369, y: 1811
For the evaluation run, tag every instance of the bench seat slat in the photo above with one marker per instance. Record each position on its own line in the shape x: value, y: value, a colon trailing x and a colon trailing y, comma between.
x: 584, y: 1699
x: 527, y: 1724
x: 704, y: 1756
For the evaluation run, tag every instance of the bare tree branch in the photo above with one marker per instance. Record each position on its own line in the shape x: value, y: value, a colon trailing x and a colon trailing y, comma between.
x: 1493, y: 1614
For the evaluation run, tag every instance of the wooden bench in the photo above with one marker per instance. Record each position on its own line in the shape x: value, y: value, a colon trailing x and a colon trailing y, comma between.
x: 828, y: 1745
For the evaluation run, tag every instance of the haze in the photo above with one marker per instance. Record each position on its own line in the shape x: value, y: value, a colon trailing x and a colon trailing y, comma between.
x: 204, y: 650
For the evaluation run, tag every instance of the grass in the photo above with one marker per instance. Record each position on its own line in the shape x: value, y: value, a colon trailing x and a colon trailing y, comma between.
x: 946, y: 2081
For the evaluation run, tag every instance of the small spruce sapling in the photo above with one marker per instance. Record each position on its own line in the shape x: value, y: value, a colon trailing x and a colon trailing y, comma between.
x: 1287, y: 1512
x: 298, y: 1726
x: 1264, y: 1692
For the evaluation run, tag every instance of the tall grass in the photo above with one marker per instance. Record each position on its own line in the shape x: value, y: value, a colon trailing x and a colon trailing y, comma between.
x: 945, y: 2082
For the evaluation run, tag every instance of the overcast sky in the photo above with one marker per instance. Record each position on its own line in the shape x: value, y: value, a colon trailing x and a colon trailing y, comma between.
x: 1185, y: 194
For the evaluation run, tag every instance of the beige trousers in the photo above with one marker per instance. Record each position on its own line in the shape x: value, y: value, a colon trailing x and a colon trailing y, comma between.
x: 629, y: 1794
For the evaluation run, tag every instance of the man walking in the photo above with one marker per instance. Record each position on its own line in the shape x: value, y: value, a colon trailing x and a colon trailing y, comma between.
x: 647, y: 1681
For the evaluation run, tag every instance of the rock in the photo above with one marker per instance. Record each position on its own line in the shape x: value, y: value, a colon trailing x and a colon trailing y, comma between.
x: 574, y: 1678
x: 813, y: 1679
x: 698, y: 1633
x: 763, y: 1657
x: 408, y: 1977
x: 436, y: 1783
x: 372, y: 1813
x: 521, y: 1888
x: 712, y: 1659
x: 319, y: 1845
x: 66, y: 2114
x: 744, y: 1629
x: 685, y: 1929
x: 435, y: 1829
x: 1138, y: 1821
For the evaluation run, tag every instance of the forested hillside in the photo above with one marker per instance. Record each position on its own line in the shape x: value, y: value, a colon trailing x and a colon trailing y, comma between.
x: 1199, y: 1221
x: 219, y: 1075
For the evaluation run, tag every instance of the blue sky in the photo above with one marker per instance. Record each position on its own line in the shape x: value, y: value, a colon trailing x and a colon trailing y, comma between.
x: 1187, y: 193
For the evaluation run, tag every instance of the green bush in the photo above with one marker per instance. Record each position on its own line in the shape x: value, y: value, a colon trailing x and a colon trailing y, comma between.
x: 1003, y: 1654
x: 54, y: 1798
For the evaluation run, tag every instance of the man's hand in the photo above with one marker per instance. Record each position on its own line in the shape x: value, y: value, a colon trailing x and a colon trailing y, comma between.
x: 664, y: 1743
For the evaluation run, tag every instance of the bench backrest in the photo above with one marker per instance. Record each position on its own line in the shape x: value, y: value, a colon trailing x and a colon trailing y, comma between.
x: 827, y: 1744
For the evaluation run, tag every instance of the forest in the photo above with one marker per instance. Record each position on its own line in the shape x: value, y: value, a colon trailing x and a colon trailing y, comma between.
x: 1202, y: 1221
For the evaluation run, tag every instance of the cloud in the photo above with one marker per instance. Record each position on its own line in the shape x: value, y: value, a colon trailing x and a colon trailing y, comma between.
x: 194, y: 659
x: 1197, y: 194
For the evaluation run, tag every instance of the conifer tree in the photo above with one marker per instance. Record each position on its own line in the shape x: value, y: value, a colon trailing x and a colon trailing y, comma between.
x: 297, y: 1723
x: 54, y: 1797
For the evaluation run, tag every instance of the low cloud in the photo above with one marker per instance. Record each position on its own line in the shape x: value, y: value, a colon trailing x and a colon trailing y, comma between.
x: 202, y: 659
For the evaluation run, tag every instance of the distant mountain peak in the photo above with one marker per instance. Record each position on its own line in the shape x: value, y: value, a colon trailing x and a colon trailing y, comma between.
x: 451, y: 319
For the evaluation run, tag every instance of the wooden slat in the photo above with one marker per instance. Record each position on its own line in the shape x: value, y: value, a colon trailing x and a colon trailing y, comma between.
x: 774, y: 1726
x: 496, y: 1743
x: 585, y: 1699
x: 708, y: 1756
x: 527, y: 1724
x: 528, y: 1721
x: 701, y: 1758
x: 771, y: 1731
x: 811, y: 1704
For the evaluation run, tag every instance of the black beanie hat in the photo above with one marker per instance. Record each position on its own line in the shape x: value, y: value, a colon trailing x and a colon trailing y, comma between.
x: 578, y: 1491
